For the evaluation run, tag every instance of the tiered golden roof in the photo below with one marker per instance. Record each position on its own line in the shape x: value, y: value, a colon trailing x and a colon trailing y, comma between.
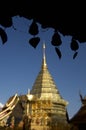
x: 44, y: 87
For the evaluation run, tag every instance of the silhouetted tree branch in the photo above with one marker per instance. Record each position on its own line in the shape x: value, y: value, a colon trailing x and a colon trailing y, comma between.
x: 64, y: 17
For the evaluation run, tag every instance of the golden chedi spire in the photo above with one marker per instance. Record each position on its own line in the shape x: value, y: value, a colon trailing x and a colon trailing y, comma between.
x: 44, y: 104
x: 44, y: 87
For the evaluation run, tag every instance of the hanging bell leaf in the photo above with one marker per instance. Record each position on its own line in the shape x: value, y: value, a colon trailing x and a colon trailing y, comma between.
x: 74, y: 45
x: 58, y: 52
x: 33, y: 30
x: 56, y: 39
x: 3, y: 35
x: 34, y: 41
x: 75, y: 54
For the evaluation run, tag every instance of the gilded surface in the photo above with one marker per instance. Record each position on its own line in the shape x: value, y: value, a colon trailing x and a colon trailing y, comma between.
x: 43, y: 105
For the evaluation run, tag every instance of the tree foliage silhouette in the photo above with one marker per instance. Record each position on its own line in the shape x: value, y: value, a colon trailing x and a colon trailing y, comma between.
x: 64, y: 17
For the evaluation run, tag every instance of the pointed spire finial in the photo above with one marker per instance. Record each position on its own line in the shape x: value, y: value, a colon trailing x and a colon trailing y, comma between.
x: 44, y: 57
x: 43, y: 50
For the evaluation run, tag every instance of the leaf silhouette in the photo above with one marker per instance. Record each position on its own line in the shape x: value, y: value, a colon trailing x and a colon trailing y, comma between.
x: 58, y: 52
x: 3, y: 35
x: 34, y: 41
x: 56, y: 39
x: 75, y: 54
x: 74, y: 45
x: 33, y: 30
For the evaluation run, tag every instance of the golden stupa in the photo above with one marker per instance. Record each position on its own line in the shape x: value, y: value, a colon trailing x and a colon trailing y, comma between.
x: 48, y: 108
x: 42, y: 108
